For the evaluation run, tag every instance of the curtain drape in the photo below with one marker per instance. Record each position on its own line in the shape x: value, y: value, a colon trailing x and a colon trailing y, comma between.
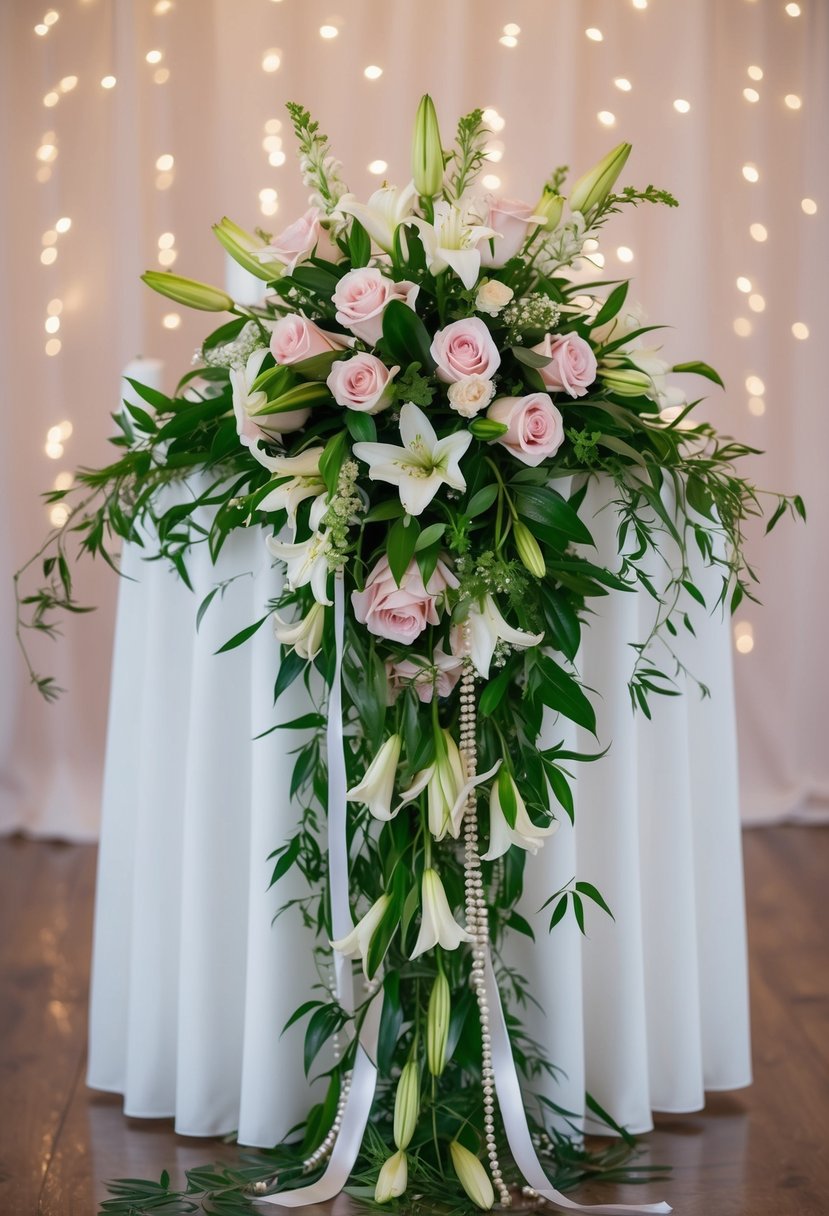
x: 129, y: 126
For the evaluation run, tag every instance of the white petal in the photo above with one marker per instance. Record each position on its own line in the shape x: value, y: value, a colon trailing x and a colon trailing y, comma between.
x: 415, y: 427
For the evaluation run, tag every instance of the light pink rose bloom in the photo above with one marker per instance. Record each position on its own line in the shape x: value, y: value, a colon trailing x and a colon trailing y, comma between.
x: 362, y: 383
x: 400, y: 613
x: 463, y: 349
x: 511, y: 219
x: 442, y: 673
x: 536, y: 428
x: 573, y: 366
x: 299, y: 240
x: 361, y: 299
x: 295, y: 338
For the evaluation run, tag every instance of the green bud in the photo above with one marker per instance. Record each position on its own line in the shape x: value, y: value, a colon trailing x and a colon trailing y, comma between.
x: 472, y: 1176
x: 427, y: 152
x: 392, y: 1179
x: 528, y: 549
x: 487, y: 428
x: 591, y: 190
x: 406, y: 1104
x: 626, y: 381
x: 189, y: 292
x: 300, y: 397
x: 437, y: 1025
x: 242, y: 246
x: 550, y: 205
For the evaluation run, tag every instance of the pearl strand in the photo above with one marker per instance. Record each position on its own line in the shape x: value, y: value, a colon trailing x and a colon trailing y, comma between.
x: 477, y: 923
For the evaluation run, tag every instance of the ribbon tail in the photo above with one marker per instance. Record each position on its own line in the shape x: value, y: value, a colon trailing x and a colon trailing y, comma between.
x: 510, y: 1102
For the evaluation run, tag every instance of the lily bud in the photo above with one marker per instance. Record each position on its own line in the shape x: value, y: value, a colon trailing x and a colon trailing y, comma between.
x: 437, y: 1025
x: 472, y: 1176
x: 487, y: 428
x: 392, y: 1179
x: 528, y: 549
x: 550, y: 206
x: 625, y: 381
x: 591, y: 190
x: 406, y: 1104
x: 242, y: 247
x: 427, y: 152
x: 188, y: 292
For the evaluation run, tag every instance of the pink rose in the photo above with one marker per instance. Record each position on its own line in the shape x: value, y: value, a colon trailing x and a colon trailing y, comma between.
x: 295, y: 338
x: 465, y: 348
x: 442, y: 674
x: 510, y: 218
x: 573, y: 365
x: 536, y: 428
x: 299, y: 240
x: 362, y: 383
x: 400, y: 613
x: 361, y: 298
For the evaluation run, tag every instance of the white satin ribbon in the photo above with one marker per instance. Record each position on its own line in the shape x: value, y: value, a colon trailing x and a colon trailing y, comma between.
x: 513, y: 1116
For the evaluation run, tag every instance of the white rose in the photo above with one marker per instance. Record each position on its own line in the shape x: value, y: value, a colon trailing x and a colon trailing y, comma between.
x: 471, y: 395
x: 492, y: 297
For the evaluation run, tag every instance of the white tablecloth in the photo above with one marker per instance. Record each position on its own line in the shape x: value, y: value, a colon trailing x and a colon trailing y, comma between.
x: 192, y: 983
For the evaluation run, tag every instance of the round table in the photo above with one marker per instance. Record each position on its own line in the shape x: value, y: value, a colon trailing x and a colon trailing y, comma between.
x: 193, y: 980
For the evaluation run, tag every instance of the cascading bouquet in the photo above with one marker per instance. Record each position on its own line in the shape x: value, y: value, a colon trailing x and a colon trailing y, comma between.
x: 396, y: 417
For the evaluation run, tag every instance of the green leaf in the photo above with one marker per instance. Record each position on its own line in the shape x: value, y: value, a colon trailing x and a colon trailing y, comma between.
x: 696, y: 368
x: 558, y: 912
x: 142, y: 418
x: 361, y: 427
x: 611, y: 306
x: 359, y: 245
x: 304, y: 1008
x: 290, y: 667
x: 285, y: 862
x: 151, y: 395
x: 587, y: 888
x: 530, y: 358
x: 385, y: 931
x: 560, y: 691
x: 481, y: 501
x: 694, y: 592
x: 520, y: 925
x: 225, y: 333
x: 562, y: 621
x: 561, y: 789
x: 318, y: 367
x: 615, y: 444
x: 391, y: 1020
x: 322, y: 282
x: 429, y: 535
x: 332, y: 459
x: 324, y: 1023
x: 242, y: 635
x: 405, y: 337
x: 390, y: 509
x: 578, y: 908
x: 547, y: 507
x: 494, y: 691
x: 400, y: 545
x: 506, y: 795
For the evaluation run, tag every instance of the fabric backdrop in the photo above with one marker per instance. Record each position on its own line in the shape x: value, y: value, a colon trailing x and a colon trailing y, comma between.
x: 141, y: 122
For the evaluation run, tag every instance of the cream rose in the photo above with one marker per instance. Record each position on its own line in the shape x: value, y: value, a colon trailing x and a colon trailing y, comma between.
x: 295, y: 338
x: 572, y: 366
x: 535, y: 427
x: 361, y: 298
x: 492, y: 297
x: 401, y: 613
x: 468, y: 397
x: 463, y: 349
x: 362, y: 383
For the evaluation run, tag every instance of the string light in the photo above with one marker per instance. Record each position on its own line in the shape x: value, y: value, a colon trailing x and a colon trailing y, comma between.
x: 63, y: 224
x: 52, y: 347
x: 273, y: 126
x: 756, y: 406
x: 594, y: 35
x: 63, y: 481
x: 46, y: 152
x: 108, y: 82
x: 43, y: 174
x: 64, y: 430
x: 623, y: 84
x: 49, y: 237
x: 743, y: 284
x: 171, y: 320
x: 751, y: 95
x: 756, y: 302
x: 491, y: 181
x: 754, y: 72
x: 51, y: 17
x: 51, y: 99
x: 167, y: 240
x: 800, y: 330
x: 744, y: 637
x: 590, y: 245
x: 493, y: 119
x: 755, y: 386
x: 58, y: 514
x: 68, y: 83
x: 276, y: 158
x: 793, y: 101
x: 742, y: 327
x: 759, y: 232
x: 41, y: 29
x: 268, y: 201
x: 48, y: 256
x: 624, y: 254
x: 751, y: 173
x: 681, y: 105
x: 372, y: 72
x: 640, y: 4
x: 494, y: 151
x: 163, y: 181
x: 165, y: 162
x: 53, y: 447
x: 271, y: 60
x: 166, y: 257
x: 512, y: 29
x: 808, y: 206
x: 55, y: 307
x: 328, y: 31
x: 153, y: 56
x: 606, y: 118
x: 51, y: 325
x: 793, y: 10
x: 377, y: 167
x: 161, y: 75
x: 162, y: 7
x: 508, y: 40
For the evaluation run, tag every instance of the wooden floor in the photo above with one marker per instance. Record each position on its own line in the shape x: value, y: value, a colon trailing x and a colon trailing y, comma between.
x: 759, y: 1152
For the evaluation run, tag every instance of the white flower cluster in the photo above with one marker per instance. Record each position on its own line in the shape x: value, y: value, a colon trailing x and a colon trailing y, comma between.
x: 535, y: 311
x: 237, y: 352
x: 343, y: 508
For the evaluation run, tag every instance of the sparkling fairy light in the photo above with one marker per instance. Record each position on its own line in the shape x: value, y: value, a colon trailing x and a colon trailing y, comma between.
x: 751, y: 173
x: 751, y: 95
x: 744, y: 637
x: 55, y: 307
x: 171, y: 320
x: 754, y: 72
x: 793, y: 101
x: 48, y: 256
x: 52, y: 347
x: 808, y: 206
x: 328, y: 31
x: 63, y: 481
x: 793, y: 10
x: 377, y: 167
x: 108, y: 82
x: 165, y: 162
x: 491, y: 181
x: 268, y: 201
x: 63, y: 224
x: 640, y: 4
x: 68, y: 83
x: 372, y: 72
x: 508, y: 40
x: 49, y: 237
x: 756, y: 406
x: 624, y: 254
x: 755, y: 386
x: 273, y: 126
x: 153, y: 56
x: 51, y: 99
x: 756, y: 302
x: 166, y: 257
x: 594, y: 35
x: 606, y: 118
x: 493, y: 119
x: 742, y: 327
x: 800, y: 330
x: 271, y: 60
x: 759, y: 232
x: 681, y: 105
x: 623, y: 84
x: 276, y: 158
x: 51, y: 325
x: 167, y: 240
x: 58, y: 514
x: 743, y: 284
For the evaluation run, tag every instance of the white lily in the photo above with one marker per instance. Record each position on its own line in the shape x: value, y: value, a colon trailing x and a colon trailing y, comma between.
x: 377, y: 786
x: 447, y: 786
x: 648, y: 360
x: 438, y: 927
x: 472, y: 1176
x: 525, y: 834
x: 246, y: 403
x: 393, y: 1178
x: 305, y: 635
x: 305, y: 481
x: 451, y: 241
x: 386, y: 209
x: 422, y: 465
x: 356, y: 943
x: 307, y: 560
x: 486, y: 629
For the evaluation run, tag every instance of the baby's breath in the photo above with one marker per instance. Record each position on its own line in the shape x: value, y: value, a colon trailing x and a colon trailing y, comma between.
x: 533, y: 312
x: 237, y: 352
x: 344, y: 507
